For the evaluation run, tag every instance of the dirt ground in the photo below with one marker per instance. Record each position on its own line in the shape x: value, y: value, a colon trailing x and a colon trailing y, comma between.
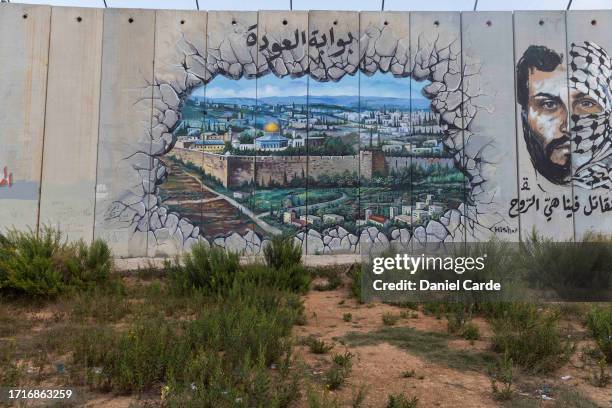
x: 378, y: 369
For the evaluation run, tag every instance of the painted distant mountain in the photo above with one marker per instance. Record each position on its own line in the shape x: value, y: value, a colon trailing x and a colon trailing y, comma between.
x: 342, y: 100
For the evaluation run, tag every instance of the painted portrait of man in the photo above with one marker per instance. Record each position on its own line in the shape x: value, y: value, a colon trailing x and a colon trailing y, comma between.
x: 590, y: 84
x: 548, y: 101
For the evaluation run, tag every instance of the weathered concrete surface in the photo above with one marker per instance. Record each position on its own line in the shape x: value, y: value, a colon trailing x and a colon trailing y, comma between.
x: 124, y: 193
x: 133, y: 264
x: 490, y: 137
x: 178, y: 38
x: 151, y: 61
x: 71, y: 123
x: 24, y: 50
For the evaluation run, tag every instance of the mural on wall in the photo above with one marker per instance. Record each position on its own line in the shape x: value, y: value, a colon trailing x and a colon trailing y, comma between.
x: 590, y: 97
x: 341, y: 129
x: 566, y: 153
x: 317, y: 151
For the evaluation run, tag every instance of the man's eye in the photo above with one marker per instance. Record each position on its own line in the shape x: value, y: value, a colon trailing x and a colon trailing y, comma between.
x: 587, y: 103
x: 549, y: 104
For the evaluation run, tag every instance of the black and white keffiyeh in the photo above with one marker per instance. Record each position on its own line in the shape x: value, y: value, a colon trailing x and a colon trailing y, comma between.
x: 591, y: 74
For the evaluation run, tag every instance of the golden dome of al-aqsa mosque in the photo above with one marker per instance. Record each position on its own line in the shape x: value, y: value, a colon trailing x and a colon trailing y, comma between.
x: 271, y: 127
x: 271, y: 139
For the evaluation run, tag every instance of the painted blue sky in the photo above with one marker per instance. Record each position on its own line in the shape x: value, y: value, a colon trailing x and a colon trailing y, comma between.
x: 382, y: 85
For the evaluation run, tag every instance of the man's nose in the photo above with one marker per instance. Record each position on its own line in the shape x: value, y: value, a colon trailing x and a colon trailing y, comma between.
x: 563, y: 126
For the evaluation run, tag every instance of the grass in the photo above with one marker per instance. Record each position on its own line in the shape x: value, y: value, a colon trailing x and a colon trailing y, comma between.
x: 429, y: 345
x: 502, y: 376
x: 208, y: 331
x: 356, y: 275
x: 317, y: 346
x: 44, y: 265
x: 224, y: 351
x: 568, y: 268
x: 563, y: 397
x: 342, y: 365
x: 470, y: 332
x: 390, y: 319
x: 531, y: 337
x: 599, y: 324
x: 282, y: 252
x: 332, y: 279
x: 401, y: 401
x: 211, y: 333
x: 409, y: 374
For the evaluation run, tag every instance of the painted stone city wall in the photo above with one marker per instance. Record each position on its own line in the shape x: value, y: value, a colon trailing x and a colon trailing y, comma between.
x: 157, y: 129
x: 236, y: 171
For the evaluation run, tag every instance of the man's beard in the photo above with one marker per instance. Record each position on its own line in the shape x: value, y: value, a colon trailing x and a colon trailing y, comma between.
x: 540, y: 157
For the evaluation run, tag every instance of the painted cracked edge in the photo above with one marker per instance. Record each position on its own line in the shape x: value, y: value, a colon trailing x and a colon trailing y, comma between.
x: 434, y: 61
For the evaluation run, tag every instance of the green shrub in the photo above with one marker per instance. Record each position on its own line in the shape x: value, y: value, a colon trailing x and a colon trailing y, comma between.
x: 294, y: 278
x: 530, y: 337
x: 433, y: 308
x: 567, y: 267
x: 502, y: 372
x: 45, y: 265
x: 340, y: 370
x: 317, y: 346
x: 211, y: 270
x: 389, y: 319
x: 600, y: 377
x: 282, y: 252
x: 401, y: 401
x: 470, y: 332
x: 458, y: 316
x: 409, y: 373
x: 91, y: 266
x: 347, y: 317
x: 11, y: 373
x: 599, y: 323
x: 321, y: 400
x: 332, y: 279
x: 356, y: 275
x: 223, y: 354
x: 297, y: 278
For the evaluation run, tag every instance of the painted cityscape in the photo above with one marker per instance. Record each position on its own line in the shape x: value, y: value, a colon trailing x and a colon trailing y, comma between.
x: 285, y: 155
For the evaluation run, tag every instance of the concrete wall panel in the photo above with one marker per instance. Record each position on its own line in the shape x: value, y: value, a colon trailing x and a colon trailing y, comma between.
x: 123, y: 191
x: 545, y: 199
x: 71, y: 122
x: 232, y: 59
x: 180, y: 59
x: 490, y: 135
x: 24, y: 49
x: 589, y: 66
x: 385, y: 59
x: 333, y: 50
x: 125, y: 136
x: 283, y: 61
x: 435, y: 42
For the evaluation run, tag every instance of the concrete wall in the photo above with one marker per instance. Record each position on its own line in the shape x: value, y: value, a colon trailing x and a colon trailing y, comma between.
x: 89, y: 100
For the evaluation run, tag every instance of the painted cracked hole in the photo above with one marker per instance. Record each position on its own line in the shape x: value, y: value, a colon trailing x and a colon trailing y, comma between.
x: 439, y: 94
x: 240, y: 161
